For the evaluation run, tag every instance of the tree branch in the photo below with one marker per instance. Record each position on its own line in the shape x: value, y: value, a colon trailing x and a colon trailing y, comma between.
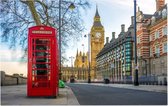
x: 45, y: 8
x: 31, y: 6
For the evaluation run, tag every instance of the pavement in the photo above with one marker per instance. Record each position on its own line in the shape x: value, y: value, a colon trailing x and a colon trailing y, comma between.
x: 17, y: 94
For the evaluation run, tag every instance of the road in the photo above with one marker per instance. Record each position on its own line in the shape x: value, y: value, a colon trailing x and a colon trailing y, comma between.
x: 103, y: 95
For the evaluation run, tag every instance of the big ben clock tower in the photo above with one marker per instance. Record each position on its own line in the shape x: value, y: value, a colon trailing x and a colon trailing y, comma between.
x: 97, y: 42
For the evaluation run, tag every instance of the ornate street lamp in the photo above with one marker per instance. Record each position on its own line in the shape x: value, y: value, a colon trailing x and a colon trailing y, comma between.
x: 71, y: 61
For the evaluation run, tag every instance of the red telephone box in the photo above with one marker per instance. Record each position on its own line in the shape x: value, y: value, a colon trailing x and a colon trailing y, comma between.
x: 42, y: 62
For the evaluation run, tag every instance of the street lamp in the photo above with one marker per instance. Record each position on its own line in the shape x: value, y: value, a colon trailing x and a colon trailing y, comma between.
x: 72, y: 63
x: 60, y: 25
x: 83, y: 62
x: 89, y: 77
x: 136, y: 83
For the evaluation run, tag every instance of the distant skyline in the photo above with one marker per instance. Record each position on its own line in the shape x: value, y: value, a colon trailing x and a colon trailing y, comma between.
x: 113, y: 13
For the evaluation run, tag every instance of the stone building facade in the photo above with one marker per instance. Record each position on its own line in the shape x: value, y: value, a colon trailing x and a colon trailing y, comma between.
x: 81, y: 66
x: 73, y: 72
x: 81, y: 60
x: 152, y: 43
x: 78, y: 71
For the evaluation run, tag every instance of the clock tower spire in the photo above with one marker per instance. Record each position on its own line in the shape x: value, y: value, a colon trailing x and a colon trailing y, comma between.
x: 97, y: 21
x: 97, y: 41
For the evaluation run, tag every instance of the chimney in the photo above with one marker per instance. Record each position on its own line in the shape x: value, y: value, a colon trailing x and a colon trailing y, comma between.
x: 113, y: 35
x: 107, y: 39
x: 159, y: 4
x: 132, y: 20
x: 123, y: 28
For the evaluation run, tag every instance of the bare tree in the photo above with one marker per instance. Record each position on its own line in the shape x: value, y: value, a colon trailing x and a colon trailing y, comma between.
x: 17, y: 15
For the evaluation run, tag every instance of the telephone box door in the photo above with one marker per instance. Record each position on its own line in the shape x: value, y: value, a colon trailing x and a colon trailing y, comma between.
x: 42, y: 62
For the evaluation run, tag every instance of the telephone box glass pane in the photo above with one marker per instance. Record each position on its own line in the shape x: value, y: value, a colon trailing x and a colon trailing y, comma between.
x: 41, y: 67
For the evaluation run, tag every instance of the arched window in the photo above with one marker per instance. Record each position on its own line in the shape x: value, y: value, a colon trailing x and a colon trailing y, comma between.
x: 164, y: 30
x: 157, y: 34
x: 150, y: 37
x: 151, y: 52
x: 153, y: 19
x: 164, y: 13
x: 157, y: 48
x: 138, y: 52
x: 165, y: 47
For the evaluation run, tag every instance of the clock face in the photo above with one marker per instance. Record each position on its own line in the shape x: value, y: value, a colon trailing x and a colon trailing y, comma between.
x: 98, y: 35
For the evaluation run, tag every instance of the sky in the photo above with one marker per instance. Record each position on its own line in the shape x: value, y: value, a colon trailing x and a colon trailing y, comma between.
x: 113, y: 13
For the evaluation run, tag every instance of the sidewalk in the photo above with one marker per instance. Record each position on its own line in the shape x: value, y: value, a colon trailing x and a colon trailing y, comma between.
x: 16, y: 95
x: 155, y: 88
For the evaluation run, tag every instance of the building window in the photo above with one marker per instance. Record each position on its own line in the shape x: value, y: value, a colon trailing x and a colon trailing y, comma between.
x: 157, y: 49
x: 157, y: 34
x: 153, y: 19
x: 164, y: 13
x: 165, y: 47
x: 128, y: 45
x: 164, y: 30
x: 151, y: 51
x: 138, y: 40
x: 138, y: 52
x: 150, y: 37
x: 128, y: 53
x: 128, y: 60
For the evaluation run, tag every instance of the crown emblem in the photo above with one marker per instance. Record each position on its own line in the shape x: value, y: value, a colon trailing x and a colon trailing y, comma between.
x: 41, y: 28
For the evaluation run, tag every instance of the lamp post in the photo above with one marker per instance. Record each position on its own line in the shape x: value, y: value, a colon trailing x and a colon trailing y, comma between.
x: 72, y: 63
x: 60, y: 25
x: 89, y: 77
x: 83, y: 62
x: 136, y: 83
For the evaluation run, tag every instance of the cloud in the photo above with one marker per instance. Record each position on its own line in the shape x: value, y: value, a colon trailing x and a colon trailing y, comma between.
x: 147, y: 6
x: 11, y: 56
x: 116, y: 2
x: 14, y: 67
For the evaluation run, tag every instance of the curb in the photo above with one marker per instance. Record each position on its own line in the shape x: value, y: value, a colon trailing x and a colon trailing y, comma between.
x: 72, y: 100
x: 130, y: 87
